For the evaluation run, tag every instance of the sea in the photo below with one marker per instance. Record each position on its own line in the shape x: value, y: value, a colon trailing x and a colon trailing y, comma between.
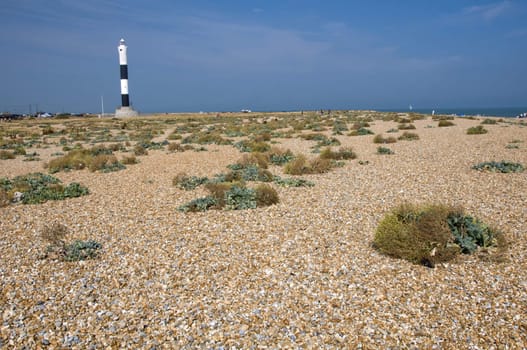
x: 507, y: 112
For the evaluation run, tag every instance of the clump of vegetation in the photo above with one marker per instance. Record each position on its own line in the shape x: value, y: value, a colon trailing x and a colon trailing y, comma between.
x: 344, y: 153
x: 140, y: 150
x: 175, y: 147
x: 57, y: 248
x: 476, y: 130
x: 7, y: 155
x: 499, y: 167
x: 278, y: 156
x: 384, y: 150
x: 252, y: 146
x: 129, y: 160
x: 96, y: 158
x: 198, y: 204
x: 361, y: 132
x: 393, y: 130
x: 232, y: 196
x: 254, y: 158
x: 247, y: 172
x: 38, y: 188
x: 380, y: 139
x: 405, y: 126
x: 206, y: 138
x: 432, y: 234
x: 444, y: 123
x: 488, y: 121
x: 292, y: 182
x: 265, y: 195
x: 300, y: 166
x: 408, y: 136
x: 188, y: 183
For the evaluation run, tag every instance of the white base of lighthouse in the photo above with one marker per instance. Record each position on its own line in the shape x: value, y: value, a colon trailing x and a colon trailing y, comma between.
x: 125, y: 112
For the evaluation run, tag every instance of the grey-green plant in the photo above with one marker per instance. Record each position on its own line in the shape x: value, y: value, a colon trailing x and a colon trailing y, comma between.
x: 499, y: 167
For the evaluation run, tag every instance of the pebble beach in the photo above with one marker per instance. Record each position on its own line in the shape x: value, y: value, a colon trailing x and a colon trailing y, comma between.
x: 301, y: 274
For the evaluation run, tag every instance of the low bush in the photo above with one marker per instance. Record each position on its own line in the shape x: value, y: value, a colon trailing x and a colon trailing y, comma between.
x: 380, y: 139
x: 476, y: 130
x: 129, y: 160
x: 198, y: 204
x: 252, y: 146
x: 361, y: 132
x: 140, y: 150
x: 432, y: 234
x: 96, y: 158
x: 38, y: 188
x: 408, y: 136
x: 187, y: 183
x: 292, y: 182
x: 444, y: 123
x: 384, y: 150
x: 278, y: 156
x: 78, y: 250
x: 301, y: 166
x: 175, y: 147
x: 344, y: 153
x: 7, y: 155
x: 488, y: 121
x: 406, y: 127
x: 499, y: 167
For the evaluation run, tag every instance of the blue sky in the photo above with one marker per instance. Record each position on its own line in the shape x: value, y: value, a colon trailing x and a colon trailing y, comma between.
x: 264, y: 55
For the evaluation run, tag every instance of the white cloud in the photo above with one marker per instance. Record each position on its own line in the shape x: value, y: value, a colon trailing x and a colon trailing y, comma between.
x: 488, y: 12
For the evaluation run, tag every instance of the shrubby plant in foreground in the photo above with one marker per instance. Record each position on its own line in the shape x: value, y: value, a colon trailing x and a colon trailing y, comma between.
x: 432, y: 234
x: 499, y: 167
x: 57, y: 248
x: 37, y: 188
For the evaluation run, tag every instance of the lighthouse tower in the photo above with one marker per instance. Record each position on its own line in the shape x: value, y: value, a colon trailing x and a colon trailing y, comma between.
x: 125, y: 110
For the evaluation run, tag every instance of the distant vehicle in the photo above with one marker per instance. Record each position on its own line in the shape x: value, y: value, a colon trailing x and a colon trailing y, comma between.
x: 246, y: 111
x: 45, y: 115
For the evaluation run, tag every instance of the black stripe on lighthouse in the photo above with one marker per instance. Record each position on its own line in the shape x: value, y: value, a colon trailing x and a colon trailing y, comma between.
x: 125, y: 99
x: 124, y: 71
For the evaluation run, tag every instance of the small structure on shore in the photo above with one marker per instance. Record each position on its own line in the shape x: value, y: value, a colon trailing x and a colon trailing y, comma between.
x: 125, y: 110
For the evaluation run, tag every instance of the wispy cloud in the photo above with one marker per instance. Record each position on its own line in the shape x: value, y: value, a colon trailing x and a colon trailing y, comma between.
x: 488, y: 12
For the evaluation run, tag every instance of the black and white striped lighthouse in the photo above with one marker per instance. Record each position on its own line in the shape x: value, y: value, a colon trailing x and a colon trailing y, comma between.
x: 125, y: 110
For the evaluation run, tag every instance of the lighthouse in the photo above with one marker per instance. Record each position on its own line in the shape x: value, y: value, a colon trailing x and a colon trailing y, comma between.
x: 125, y: 110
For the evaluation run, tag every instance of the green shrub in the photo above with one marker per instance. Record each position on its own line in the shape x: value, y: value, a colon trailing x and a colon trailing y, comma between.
x: 298, y: 166
x: 198, y: 204
x: 406, y: 127
x: 292, y: 182
x: 360, y: 132
x: 343, y: 153
x: 431, y: 234
x: 499, y: 167
x: 476, y: 130
x: 408, y: 136
x: 78, y: 250
x: 7, y: 155
x: 128, y: 160
x: 380, y: 139
x: 279, y: 156
x: 489, y: 121
x: 140, y: 150
x: 252, y: 146
x: 384, y: 150
x: 81, y: 250
x: 265, y: 195
x: 38, y: 188
x: 470, y: 233
x: 444, y: 123
x: 240, y: 198
x: 187, y: 183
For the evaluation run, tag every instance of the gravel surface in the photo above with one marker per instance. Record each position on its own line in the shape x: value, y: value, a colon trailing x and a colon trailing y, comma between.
x: 299, y: 274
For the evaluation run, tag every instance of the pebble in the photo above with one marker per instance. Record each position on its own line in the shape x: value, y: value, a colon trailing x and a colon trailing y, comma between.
x: 299, y: 274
